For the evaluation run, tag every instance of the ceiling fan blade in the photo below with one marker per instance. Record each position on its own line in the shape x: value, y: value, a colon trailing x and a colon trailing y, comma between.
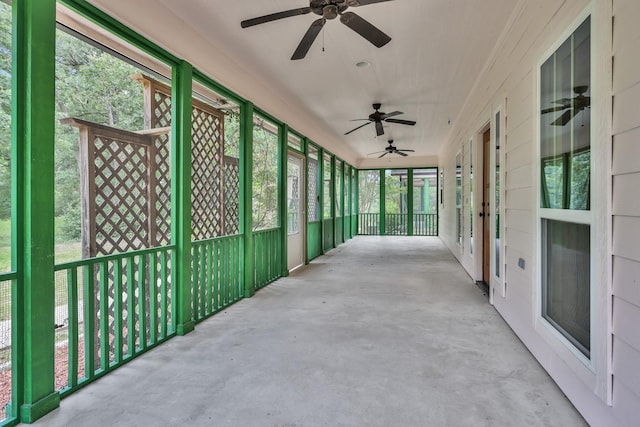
x: 408, y: 151
x: 275, y: 16
x: 356, y: 3
x: 565, y: 117
x: 359, y: 120
x: 552, y: 109
x: 365, y: 29
x: 389, y: 115
x: 377, y: 152
x: 401, y: 153
x: 401, y: 122
x: 308, y: 39
x: 361, y: 126
x: 379, y: 129
x: 564, y: 101
x: 381, y: 156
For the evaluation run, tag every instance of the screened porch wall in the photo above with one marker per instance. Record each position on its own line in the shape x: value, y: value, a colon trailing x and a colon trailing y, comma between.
x: 183, y: 247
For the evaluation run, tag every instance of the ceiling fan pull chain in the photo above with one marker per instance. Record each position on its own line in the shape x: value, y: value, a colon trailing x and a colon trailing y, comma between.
x: 323, y: 30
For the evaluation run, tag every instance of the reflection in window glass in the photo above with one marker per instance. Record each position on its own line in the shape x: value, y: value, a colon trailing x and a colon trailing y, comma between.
x: 265, y: 174
x: 496, y: 208
x: 565, y: 162
x: 565, y: 124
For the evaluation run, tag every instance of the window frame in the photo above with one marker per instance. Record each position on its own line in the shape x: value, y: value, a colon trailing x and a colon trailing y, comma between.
x: 596, y: 371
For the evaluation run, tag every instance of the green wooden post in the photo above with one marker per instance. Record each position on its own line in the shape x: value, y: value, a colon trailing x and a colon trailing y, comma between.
x: 410, y: 202
x: 383, y: 207
x: 356, y: 195
x: 305, y: 149
x: 181, y: 196
x: 321, y: 195
x: 33, y: 101
x: 332, y: 195
x: 246, y: 195
x: 283, y: 157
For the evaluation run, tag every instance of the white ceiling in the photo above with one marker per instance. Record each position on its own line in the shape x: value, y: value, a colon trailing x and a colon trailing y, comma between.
x: 438, y: 48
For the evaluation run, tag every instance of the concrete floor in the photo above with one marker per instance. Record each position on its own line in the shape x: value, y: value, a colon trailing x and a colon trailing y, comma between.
x: 379, y: 332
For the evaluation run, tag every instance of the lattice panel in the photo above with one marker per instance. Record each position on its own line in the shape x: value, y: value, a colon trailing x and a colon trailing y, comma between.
x: 121, y: 196
x: 161, y: 117
x: 231, y: 195
x: 312, y: 190
x: 207, y: 175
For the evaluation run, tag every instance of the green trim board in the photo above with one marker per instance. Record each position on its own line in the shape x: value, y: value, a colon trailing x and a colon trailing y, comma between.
x: 283, y: 157
x: 246, y: 192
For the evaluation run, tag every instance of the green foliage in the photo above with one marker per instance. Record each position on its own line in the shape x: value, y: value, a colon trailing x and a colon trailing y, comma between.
x: 369, y: 192
x: 265, y: 178
x: 5, y: 111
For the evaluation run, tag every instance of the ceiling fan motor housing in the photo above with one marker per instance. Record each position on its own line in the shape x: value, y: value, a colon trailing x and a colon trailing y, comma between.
x: 328, y: 9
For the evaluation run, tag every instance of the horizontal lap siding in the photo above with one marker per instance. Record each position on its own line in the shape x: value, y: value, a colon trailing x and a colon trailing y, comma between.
x: 626, y: 211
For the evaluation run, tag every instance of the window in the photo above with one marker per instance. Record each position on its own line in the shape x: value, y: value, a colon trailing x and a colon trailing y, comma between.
x: 565, y: 174
x: 395, y: 201
x: 459, y: 198
x: 337, y: 191
x: 496, y: 209
x: 471, y: 197
x: 294, y: 142
x: 369, y: 202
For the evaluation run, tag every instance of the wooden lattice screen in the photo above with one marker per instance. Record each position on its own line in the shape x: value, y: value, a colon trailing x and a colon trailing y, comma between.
x: 125, y: 188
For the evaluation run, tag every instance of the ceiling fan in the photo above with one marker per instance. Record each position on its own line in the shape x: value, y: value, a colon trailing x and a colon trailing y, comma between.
x: 378, y: 117
x: 328, y: 10
x: 391, y: 149
x: 574, y: 105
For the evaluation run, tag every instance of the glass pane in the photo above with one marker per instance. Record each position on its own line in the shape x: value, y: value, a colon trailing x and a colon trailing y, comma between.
x: 471, y: 183
x: 265, y: 174
x: 498, y: 192
x: 566, y: 290
x: 425, y: 202
x: 215, y: 168
x: 347, y: 190
x: 107, y: 97
x: 565, y: 123
x: 327, y: 187
x: 5, y: 138
x: 395, y: 201
x: 313, y: 197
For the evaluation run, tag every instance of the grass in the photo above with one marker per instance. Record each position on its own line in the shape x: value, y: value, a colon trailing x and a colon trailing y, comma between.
x: 64, y: 252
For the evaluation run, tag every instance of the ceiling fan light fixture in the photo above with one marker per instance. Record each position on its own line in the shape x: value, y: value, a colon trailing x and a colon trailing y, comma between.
x: 330, y: 12
x: 363, y: 64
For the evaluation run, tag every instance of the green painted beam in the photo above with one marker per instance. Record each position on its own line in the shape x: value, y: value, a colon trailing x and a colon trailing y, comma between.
x: 246, y: 195
x: 181, y: 194
x: 321, y: 195
x: 283, y: 156
x: 356, y: 195
x: 33, y: 103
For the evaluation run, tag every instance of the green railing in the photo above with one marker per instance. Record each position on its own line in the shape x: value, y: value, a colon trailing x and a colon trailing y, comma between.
x: 112, y: 309
x: 425, y: 224
x: 395, y: 224
x: 267, y: 245
x: 6, y: 365
x: 216, y: 275
x: 369, y: 224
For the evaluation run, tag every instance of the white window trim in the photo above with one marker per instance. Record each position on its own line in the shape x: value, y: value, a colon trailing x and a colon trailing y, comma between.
x: 595, y: 371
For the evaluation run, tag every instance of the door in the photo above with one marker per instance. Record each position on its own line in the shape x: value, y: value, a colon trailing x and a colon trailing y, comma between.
x: 485, y: 211
x: 295, y: 212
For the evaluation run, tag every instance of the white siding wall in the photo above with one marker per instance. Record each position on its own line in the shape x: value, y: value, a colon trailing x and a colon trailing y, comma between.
x: 626, y: 211
x: 510, y: 81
